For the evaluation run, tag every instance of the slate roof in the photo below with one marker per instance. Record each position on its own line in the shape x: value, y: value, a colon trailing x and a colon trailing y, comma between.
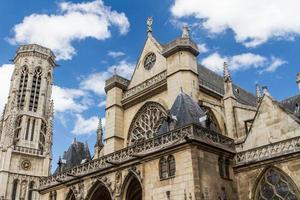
x: 77, y: 153
x: 292, y: 104
x: 215, y: 82
x: 183, y: 111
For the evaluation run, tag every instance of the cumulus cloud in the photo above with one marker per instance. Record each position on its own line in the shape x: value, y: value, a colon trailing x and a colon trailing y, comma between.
x: 73, y: 22
x: 95, y: 82
x: 86, y: 126
x: 202, y: 48
x: 242, y: 62
x: 115, y: 54
x: 253, y: 22
x: 69, y: 99
x: 6, y: 71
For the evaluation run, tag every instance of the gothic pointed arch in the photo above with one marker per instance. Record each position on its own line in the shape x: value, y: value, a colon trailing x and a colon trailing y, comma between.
x: 211, y: 122
x: 146, y: 122
x: 273, y: 183
x: 23, y: 82
x: 99, y: 190
x: 35, y: 89
x: 71, y: 195
x: 132, y: 188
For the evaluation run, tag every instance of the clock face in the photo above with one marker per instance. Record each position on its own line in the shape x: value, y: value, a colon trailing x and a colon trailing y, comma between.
x: 149, y: 61
x: 26, y: 164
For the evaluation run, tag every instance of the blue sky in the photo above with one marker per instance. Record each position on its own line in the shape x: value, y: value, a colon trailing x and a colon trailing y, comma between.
x: 259, y: 41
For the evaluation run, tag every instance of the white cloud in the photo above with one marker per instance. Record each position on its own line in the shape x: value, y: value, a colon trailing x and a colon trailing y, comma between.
x: 68, y: 99
x: 102, y: 103
x: 276, y: 62
x: 74, y: 22
x: 86, y: 126
x: 123, y: 68
x: 96, y: 82
x: 253, y: 22
x: 242, y: 62
x: 6, y: 71
x: 202, y: 48
x: 115, y: 54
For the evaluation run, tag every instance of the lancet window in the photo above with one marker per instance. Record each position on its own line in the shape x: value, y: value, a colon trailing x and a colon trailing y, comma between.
x: 35, y: 89
x: 22, y: 87
x: 167, y: 167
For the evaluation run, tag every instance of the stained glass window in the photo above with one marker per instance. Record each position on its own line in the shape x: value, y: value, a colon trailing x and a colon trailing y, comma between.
x: 149, y: 61
x: 274, y: 185
x: 163, y: 168
x: 171, y: 165
x: 167, y: 167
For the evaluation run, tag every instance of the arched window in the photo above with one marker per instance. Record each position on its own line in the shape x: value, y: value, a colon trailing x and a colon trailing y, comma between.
x: 30, y: 191
x: 163, y: 168
x: 146, y: 122
x: 274, y: 184
x: 42, y: 135
x: 35, y: 89
x: 14, y: 189
x: 171, y: 165
x: 211, y: 121
x: 167, y: 167
x: 22, y: 87
x: 224, y: 167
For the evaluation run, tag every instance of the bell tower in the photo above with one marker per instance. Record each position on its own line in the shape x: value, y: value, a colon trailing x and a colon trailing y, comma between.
x: 26, y: 124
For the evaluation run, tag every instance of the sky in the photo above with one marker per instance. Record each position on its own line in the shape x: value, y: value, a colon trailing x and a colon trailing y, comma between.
x: 258, y: 39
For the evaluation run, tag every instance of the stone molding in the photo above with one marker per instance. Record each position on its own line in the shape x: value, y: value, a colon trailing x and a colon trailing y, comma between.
x: 116, y: 81
x: 180, y: 44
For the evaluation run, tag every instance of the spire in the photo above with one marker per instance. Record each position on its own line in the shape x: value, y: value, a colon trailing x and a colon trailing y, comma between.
x: 59, y: 163
x: 185, y: 31
x: 227, y: 76
x: 99, y: 134
x: 258, y: 93
x: 149, y: 25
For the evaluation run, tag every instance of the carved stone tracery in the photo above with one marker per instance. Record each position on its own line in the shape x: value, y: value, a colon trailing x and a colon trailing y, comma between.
x: 146, y: 122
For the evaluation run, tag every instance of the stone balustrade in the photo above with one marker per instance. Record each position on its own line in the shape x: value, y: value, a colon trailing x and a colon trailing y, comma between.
x: 268, y: 151
x: 140, y: 149
x: 36, y: 48
x: 28, y: 150
x: 145, y: 85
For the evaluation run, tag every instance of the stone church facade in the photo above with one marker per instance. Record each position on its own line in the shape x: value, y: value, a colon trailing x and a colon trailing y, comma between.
x: 175, y: 130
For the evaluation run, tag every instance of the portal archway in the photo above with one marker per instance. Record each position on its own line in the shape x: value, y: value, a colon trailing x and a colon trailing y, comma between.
x: 99, y: 191
x: 133, y: 189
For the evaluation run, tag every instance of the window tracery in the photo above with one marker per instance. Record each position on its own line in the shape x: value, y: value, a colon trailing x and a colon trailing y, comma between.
x: 35, y: 89
x: 22, y: 87
x: 211, y: 121
x: 275, y: 185
x: 146, y: 122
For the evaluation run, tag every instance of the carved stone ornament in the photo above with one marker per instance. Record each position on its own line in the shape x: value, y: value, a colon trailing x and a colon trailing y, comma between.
x: 78, y: 191
x: 146, y: 122
x: 26, y: 165
x: 118, y: 182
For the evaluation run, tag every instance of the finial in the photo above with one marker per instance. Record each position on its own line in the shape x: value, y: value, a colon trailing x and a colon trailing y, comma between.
x: 185, y: 31
x: 74, y: 140
x: 115, y: 71
x: 265, y: 89
x: 149, y: 25
x: 257, y: 91
x: 99, y: 133
x: 181, y: 90
x: 227, y: 76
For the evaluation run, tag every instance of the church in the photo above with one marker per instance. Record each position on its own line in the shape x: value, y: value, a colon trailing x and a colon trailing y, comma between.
x: 175, y: 131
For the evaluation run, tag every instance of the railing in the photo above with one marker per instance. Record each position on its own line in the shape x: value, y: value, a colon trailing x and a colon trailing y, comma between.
x: 210, y: 86
x: 151, y: 145
x: 146, y: 84
x: 268, y: 151
x: 28, y: 150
